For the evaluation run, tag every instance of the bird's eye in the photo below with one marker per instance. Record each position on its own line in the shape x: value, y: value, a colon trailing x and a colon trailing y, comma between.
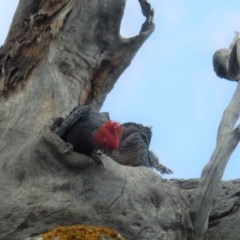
x: 144, y: 138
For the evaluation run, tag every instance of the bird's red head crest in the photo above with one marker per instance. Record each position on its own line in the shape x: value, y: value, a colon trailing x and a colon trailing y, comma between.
x: 109, y: 135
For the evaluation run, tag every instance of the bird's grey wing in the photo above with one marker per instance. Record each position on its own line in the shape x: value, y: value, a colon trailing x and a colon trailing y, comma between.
x: 71, y: 119
x: 133, y: 151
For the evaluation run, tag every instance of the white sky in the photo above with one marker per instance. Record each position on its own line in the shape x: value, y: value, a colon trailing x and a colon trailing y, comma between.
x: 170, y: 84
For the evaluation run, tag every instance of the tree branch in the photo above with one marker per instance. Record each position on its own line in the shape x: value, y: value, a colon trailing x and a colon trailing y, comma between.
x: 227, y: 140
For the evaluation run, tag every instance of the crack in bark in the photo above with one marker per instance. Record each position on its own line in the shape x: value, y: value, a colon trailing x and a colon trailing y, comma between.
x: 215, y: 219
x: 120, y: 195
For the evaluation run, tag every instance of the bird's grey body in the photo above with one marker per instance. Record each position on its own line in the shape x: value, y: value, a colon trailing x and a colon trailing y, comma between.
x: 134, y: 148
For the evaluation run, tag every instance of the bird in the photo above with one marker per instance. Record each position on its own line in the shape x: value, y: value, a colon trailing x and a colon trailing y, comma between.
x: 134, y: 148
x: 87, y: 131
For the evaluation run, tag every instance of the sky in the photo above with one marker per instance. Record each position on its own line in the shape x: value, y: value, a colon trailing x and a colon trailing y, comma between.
x: 170, y: 84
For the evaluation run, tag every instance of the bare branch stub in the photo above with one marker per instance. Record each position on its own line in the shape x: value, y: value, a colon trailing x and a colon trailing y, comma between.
x: 148, y: 12
x: 226, y: 61
x: 114, y: 63
x: 227, y: 66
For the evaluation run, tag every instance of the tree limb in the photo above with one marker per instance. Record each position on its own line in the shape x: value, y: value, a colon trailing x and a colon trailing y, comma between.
x: 227, y: 140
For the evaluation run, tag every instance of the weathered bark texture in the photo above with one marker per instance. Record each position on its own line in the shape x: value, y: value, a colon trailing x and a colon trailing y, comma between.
x: 225, y: 215
x: 55, y: 189
x: 62, y: 53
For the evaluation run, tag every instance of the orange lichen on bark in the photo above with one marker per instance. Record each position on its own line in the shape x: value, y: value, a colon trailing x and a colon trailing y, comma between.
x: 82, y: 232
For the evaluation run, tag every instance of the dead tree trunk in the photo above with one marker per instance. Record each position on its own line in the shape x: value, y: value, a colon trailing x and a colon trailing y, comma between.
x: 59, y: 54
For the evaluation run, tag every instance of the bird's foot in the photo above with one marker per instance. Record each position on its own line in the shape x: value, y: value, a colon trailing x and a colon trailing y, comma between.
x: 96, y: 156
x: 69, y: 148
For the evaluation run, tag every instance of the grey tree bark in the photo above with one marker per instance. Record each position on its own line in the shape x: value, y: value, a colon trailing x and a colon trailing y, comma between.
x: 62, y: 53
